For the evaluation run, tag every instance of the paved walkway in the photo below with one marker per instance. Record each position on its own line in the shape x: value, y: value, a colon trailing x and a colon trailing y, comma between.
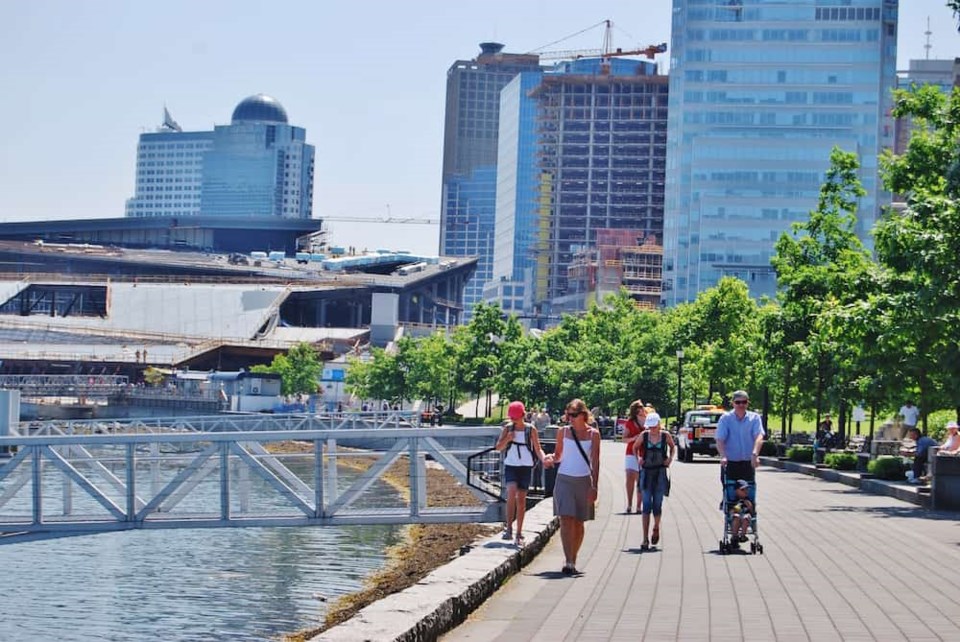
x: 838, y: 565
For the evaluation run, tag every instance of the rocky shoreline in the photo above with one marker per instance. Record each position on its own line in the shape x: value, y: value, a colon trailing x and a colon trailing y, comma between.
x: 425, y: 547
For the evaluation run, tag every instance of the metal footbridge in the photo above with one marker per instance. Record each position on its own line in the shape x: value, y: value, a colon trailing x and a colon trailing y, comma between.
x: 80, y: 477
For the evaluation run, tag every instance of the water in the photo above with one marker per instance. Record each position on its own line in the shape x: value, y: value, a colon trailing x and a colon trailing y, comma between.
x: 202, y: 584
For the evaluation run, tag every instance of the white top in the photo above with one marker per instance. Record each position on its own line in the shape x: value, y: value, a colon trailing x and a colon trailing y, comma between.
x: 910, y: 415
x: 572, y: 462
x: 517, y: 452
x: 950, y: 443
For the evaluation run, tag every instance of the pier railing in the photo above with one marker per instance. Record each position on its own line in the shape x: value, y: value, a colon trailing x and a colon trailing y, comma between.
x: 56, y: 485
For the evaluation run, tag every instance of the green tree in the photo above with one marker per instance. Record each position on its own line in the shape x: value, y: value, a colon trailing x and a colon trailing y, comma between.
x: 821, y: 264
x: 299, y: 369
x: 918, y: 245
x: 478, y: 351
x: 718, y: 329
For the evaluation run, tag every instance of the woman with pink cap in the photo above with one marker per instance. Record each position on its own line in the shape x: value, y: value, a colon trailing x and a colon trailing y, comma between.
x: 951, y: 445
x: 521, y: 443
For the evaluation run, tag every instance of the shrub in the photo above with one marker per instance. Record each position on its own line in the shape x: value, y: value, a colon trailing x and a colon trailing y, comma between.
x: 768, y: 449
x: 887, y: 467
x: 800, y: 453
x: 841, y: 461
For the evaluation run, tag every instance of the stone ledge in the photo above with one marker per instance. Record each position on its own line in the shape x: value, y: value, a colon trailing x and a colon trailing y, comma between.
x: 851, y: 478
x: 444, y: 598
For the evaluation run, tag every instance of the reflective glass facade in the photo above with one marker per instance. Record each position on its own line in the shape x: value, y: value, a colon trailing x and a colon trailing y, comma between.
x: 517, y: 197
x: 470, y: 158
x: 257, y: 166
x: 760, y: 92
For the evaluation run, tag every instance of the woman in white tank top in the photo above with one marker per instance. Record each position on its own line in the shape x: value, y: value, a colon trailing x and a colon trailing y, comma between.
x: 578, y: 458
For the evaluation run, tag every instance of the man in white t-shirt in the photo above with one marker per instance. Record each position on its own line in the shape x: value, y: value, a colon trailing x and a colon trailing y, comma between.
x: 910, y: 414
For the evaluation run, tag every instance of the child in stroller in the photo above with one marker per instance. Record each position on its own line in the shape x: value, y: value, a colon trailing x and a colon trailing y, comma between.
x: 739, y: 512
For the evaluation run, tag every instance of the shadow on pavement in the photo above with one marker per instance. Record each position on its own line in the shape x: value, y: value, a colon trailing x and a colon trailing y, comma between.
x: 890, y: 511
x: 554, y: 575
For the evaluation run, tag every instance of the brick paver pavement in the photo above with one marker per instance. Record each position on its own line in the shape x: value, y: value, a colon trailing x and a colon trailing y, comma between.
x: 838, y: 565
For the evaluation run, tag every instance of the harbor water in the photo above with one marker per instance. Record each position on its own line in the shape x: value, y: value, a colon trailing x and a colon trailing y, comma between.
x: 184, y: 584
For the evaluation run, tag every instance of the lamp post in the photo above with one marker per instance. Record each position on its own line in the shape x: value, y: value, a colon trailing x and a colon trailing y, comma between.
x: 679, y: 387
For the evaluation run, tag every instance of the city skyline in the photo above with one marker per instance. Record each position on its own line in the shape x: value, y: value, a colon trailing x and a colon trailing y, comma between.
x: 91, y: 76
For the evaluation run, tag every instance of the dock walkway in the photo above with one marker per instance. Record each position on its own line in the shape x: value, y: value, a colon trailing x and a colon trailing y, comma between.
x: 838, y: 564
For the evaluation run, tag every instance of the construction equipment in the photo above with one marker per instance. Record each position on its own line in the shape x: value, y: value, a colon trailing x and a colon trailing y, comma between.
x: 606, y: 52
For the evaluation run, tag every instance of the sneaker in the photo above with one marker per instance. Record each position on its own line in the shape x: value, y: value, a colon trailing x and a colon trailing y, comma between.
x: 507, y: 534
x: 743, y: 538
x: 567, y: 569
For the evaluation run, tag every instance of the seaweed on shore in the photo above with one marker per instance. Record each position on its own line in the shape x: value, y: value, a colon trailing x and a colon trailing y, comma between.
x: 425, y: 546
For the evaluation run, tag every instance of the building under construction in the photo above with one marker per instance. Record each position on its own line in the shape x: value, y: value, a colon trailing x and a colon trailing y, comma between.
x: 602, y: 137
x: 622, y: 259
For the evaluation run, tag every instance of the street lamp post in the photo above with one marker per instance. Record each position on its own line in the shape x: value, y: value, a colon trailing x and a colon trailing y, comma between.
x: 679, y: 387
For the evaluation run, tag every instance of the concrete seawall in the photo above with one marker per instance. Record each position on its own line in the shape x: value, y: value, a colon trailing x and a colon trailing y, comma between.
x: 444, y: 598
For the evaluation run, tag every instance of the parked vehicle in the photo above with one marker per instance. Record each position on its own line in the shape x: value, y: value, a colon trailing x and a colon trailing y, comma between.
x: 697, y: 435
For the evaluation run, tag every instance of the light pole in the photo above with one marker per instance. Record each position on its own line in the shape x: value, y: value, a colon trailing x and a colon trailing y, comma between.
x: 679, y: 387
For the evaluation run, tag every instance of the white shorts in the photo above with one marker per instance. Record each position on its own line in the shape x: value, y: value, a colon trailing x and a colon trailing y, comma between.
x: 631, y: 462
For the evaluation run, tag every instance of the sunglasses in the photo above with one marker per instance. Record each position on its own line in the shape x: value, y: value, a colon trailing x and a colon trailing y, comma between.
x: 742, y: 402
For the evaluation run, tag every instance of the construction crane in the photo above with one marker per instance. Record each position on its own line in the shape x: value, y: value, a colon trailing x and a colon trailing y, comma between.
x: 606, y: 53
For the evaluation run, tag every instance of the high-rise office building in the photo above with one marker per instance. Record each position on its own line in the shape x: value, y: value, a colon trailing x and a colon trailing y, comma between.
x: 258, y: 165
x: 583, y: 149
x: 470, y: 158
x: 760, y: 92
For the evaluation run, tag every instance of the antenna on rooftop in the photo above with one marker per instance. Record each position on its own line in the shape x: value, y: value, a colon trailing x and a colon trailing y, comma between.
x: 928, y: 33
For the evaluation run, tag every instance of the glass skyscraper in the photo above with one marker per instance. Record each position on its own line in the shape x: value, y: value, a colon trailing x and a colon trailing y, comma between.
x: 760, y: 92
x: 470, y: 158
x: 258, y: 165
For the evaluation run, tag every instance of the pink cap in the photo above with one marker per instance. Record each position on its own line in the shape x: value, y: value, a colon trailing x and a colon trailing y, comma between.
x: 516, y: 410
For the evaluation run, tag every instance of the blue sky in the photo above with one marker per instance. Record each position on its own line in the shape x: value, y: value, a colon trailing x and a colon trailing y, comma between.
x: 82, y: 78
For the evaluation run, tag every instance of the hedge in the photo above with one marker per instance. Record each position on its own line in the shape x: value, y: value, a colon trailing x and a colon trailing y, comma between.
x: 800, y: 453
x: 887, y: 467
x: 841, y: 461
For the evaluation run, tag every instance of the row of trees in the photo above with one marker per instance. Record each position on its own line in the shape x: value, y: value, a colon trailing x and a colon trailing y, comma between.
x: 848, y: 326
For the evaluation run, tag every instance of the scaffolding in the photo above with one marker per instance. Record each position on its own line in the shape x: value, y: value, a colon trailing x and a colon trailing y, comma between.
x: 602, y: 156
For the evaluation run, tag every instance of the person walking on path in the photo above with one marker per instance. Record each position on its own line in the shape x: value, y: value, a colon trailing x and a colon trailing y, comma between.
x: 522, y: 443
x: 575, y: 491
x: 911, y: 415
x: 631, y: 430
x: 739, y: 437
x: 655, y: 448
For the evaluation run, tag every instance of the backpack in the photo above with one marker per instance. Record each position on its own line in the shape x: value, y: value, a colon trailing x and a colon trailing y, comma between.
x: 527, y: 431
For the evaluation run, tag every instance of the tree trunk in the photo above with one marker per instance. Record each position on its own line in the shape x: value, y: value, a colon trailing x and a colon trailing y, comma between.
x: 843, y: 422
x: 788, y: 371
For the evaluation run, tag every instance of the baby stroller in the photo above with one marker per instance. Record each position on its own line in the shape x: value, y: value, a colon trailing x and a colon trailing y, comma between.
x: 730, y: 541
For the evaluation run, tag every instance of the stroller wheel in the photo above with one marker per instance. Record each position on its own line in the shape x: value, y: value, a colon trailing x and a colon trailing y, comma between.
x: 723, y: 547
x: 760, y: 548
x: 753, y: 548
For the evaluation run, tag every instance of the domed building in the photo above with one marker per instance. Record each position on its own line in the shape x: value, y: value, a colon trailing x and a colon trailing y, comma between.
x: 257, y: 166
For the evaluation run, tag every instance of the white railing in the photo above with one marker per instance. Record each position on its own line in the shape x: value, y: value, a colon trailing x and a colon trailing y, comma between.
x: 57, y: 485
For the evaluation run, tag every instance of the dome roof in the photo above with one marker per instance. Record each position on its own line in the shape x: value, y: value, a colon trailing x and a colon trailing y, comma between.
x: 260, y: 108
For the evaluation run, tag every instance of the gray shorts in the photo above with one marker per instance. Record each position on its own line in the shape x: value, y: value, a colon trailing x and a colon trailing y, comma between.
x: 571, y: 497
